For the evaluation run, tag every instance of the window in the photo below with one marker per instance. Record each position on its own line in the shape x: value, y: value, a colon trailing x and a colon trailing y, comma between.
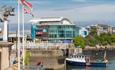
x: 53, y: 35
x: 69, y: 34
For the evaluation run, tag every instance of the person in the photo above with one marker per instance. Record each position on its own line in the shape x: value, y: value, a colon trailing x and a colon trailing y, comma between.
x: 106, y: 60
x: 41, y: 67
x: 14, y: 61
x: 87, y: 61
x: 38, y: 65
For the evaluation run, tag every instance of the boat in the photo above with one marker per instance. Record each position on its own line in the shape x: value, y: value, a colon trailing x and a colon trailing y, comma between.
x: 83, y: 60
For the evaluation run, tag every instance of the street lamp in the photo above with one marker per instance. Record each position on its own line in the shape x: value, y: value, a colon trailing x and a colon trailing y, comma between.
x: 5, y: 12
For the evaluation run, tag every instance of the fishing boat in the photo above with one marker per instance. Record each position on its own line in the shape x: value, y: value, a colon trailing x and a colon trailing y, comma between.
x: 83, y: 60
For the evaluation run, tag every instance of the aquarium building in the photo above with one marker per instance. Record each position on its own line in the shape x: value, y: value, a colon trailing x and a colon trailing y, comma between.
x: 56, y: 29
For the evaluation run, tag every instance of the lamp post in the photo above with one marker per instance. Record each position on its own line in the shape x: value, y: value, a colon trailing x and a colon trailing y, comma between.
x: 5, y: 13
x: 5, y: 31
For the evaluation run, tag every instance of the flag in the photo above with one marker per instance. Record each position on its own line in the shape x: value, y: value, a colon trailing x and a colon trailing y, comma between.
x: 27, y: 6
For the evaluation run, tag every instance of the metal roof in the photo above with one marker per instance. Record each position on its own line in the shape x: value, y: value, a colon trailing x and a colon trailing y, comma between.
x: 49, y: 19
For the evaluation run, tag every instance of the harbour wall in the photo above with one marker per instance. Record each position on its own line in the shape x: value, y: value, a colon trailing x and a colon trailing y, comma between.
x: 50, y: 59
x: 54, y: 59
x: 99, y: 52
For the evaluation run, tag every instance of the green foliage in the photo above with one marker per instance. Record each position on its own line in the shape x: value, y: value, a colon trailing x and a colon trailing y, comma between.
x: 105, y: 39
x: 93, y: 31
x: 27, y: 57
x: 79, y: 41
x: 93, y: 39
x: 113, y: 38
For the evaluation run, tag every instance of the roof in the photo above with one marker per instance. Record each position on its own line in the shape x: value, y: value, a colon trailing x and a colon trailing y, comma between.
x: 50, y: 19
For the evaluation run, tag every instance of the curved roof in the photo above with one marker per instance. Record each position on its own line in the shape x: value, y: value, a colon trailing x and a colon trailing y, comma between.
x: 50, y: 19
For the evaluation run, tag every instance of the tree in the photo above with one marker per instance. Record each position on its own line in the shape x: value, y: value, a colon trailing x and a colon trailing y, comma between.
x: 105, y: 39
x: 90, y: 40
x: 93, y: 31
x: 79, y: 41
x: 113, y: 38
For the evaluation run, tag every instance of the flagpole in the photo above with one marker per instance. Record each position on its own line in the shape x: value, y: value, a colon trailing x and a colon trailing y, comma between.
x: 18, y: 35
x: 23, y: 35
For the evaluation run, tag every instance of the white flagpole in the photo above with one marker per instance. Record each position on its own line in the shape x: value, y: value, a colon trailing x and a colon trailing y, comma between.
x: 18, y: 35
x: 23, y: 35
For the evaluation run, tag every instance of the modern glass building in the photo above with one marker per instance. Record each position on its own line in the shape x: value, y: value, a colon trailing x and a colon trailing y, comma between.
x: 53, y: 29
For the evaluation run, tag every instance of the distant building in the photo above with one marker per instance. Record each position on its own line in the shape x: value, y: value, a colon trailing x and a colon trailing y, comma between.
x: 113, y: 30
x: 53, y: 29
x: 83, y: 32
x: 101, y: 28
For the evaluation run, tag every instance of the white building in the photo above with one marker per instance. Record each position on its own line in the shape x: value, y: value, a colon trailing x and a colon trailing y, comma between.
x: 83, y: 32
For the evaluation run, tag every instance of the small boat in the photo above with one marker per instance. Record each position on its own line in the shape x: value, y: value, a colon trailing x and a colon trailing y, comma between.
x: 82, y: 60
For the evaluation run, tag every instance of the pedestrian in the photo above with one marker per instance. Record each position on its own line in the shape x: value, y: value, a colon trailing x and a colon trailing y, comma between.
x: 38, y: 65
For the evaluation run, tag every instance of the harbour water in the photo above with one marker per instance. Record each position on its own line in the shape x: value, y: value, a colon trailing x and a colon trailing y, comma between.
x: 99, y: 55
x: 110, y: 66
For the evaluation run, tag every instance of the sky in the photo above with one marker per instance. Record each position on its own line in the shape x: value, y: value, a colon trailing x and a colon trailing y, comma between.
x: 81, y: 12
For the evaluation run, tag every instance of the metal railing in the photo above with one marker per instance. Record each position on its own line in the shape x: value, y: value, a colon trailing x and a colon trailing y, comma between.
x: 43, y: 45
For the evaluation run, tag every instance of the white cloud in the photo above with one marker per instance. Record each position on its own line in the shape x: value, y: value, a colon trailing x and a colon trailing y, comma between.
x: 102, y: 9
x: 98, y: 12
x: 104, y: 12
x: 89, y: 13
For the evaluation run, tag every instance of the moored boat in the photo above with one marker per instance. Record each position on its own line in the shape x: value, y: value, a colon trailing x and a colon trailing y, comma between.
x: 82, y: 60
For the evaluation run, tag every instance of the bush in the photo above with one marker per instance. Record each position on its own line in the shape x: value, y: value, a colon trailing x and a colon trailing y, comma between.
x: 27, y: 57
x: 94, y: 39
x: 79, y: 41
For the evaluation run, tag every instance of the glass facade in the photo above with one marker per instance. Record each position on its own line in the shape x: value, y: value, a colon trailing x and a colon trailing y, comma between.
x: 55, y: 32
x: 61, y: 32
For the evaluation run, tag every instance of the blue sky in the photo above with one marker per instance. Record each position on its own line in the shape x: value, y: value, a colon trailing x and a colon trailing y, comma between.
x: 76, y: 10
